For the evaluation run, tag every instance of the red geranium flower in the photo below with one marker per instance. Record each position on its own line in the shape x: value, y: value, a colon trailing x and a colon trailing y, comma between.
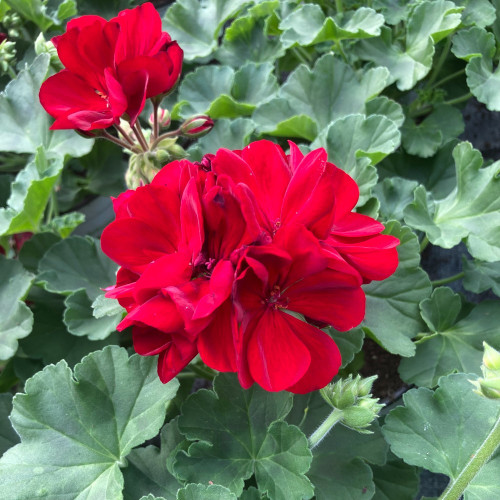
x: 224, y: 257
x: 111, y: 68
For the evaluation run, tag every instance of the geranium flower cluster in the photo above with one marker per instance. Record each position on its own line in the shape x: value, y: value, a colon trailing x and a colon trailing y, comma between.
x: 111, y: 68
x: 242, y: 258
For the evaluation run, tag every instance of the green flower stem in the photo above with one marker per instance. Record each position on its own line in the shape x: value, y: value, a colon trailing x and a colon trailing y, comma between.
x: 119, y: 142
x: 456, y: 488
x: 330, y: 421
x: 458, y: 100
x: 140, y: 135
x: 439, y: 64
x: 299, y: 55
x: 11, y: 72
x: 339, y: 5
x: 424, y: 243
x: 447, y: 280
x: 172, y: 133
x: 448, y: 78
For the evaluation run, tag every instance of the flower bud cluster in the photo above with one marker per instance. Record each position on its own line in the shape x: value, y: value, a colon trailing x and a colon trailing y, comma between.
x: 489, y: 384
x: 352, y: 397
x: 7, y: 54
x: 42, y: 46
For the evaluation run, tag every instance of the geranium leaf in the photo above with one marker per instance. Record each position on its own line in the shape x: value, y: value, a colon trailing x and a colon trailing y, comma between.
x: 241, y: 433
x: 25, y: 124
x: 471, y: 210
x: 382, y: 105
x: 395, y: 479
x: 50, y: 340
x: 231, y: 134
x: 477, y: 12
x: 481, y: 276
x: 221, y: 92
x: 64, y: 225
x: 205, y: 492
x: 76, y: 263
x: 474, y: 42
x: 34, y: 249
x: 349, y: 343
x: 393, y: 11
x: 427, y: 23
x: 394, y: 194
x: 357, y: 136
x: 30, y: 193
x: 329, y: 91
x: 112, y: 404
x: 17, y: 318
x: 80, y: 321
x: 147, y: 470
x: 8, y: 436
x: 44, y: 14
x: 425, y: 432
x: 451, y: 348
x: 436, y: 173
x: 392, y: 313
x: 196, y: 25
x: 308, y: 25
x: 246, y: 40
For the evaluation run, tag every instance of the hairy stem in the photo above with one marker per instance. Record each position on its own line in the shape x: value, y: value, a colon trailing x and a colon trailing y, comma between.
x: 439, y: 64
x: 330, y: 421
x: 478, y: 460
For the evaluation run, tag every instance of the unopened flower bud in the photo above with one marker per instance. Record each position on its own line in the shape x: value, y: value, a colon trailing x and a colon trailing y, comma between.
x: 43, y: 46
x: 164, y: 118
x: 177, y: 152
x: 13, y: 23
x: 357, y: 417
x: 489, y: 385
x: 7, y: 55
x: 197, y: 126
x: 365, y: 385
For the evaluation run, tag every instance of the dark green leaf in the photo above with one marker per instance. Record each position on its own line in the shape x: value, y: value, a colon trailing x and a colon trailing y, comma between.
x: 394, y: 194
x: 394, y: 480
x: 349, y: 343
x: 110, y: 404
x: 34, y: 249
x: 481, y: 276
x: 44, y: 14
x: 204, y: 492
x: 8, y: 437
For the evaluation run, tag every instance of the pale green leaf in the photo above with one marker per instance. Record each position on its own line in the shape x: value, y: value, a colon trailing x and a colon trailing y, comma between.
x: 92, y: 419
x: 196, y: 24
x: 393, y: 11
x: 231, y: 134
x: 8, y: 437
x: 241, y: 433
x: 81, y: 322
x: 382, y: 105
x: 392, y: 312
x: 331, y: 90
x: 16, y: 317
x: 65, y: 224
x: 426, y: 431
x: 474, y: 42
x: 25, y: 124
x: 76, y: 263
x: 246, y: 40
x: 308, y: 25
x: 483, y: 82
x: 471, y: 211
x: 44, y: 14
x: 481, y: 276
x: 452, y: 348
x: 477, y: 12
x: 205, y: 492
x: 394, y: 194
x: 102, y: 306
x: 29, y: 196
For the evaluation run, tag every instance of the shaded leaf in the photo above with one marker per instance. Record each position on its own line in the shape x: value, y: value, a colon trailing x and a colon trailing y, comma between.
x: 112, y: 404
x: 44, y: 14
x: 395, y: 479
x: 205, y: 492
x: 8, y: 436
x: 34, y: 249
x: 471, y: 211
x: 451, y: 348
x: 481, y: 276
x: 349, y: 343
x: 394, y: 194
x: 17, y: 318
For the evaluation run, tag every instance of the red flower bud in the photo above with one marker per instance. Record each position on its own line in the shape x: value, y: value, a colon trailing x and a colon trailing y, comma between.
x: 197, y: 126
x: 163, y: 118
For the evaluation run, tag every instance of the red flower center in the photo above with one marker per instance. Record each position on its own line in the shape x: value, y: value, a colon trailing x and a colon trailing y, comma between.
x: 275, y: 300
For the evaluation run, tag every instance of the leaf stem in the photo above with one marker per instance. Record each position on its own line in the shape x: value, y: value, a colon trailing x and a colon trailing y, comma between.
x: 339, y: 6
x: 424, y: 243
x: 448, y: 78
x: 447, y: 280
x: 455, y: 489
x: 458, y: 100
x: 439, y: 65
x: 330, y: 421
x: 299, y: 55
x: 11, y: 72
x: 172, y: 133
x: 115, y: 140
x: 127, y: 137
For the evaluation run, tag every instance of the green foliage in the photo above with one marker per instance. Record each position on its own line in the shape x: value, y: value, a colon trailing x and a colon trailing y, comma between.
x: 17, y: 318
x: 252, y: 440
x: 112, y: 404
x: 44, y: 14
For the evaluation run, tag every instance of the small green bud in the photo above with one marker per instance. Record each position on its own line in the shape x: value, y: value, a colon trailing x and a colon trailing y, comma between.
x: 489, y: 385
x: 197, y: 126
x: 7, y: 55
x: 491, y: 358
x: 357, y: 417
x: 365, y: 385
x: 177, y: 152
x: 43, y: 46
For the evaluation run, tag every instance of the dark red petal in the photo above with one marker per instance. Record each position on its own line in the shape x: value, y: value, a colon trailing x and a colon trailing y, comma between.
x: 216, y: 341
x: 159, y: 312
x: 116, y: 97
x: 191, y: 216
x: 133, y: 244
x: 148, y: 341
x: 173, y: 359
x: 134, y: 83
x: 277, y: 358
x: 325, y: 355
x: 355, y: 225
